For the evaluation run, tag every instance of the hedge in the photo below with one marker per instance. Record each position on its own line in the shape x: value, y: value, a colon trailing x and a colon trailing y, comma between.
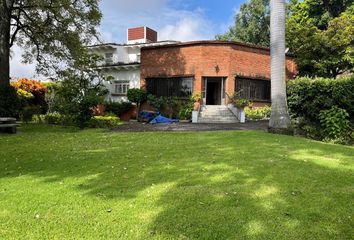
x: 307, y: 96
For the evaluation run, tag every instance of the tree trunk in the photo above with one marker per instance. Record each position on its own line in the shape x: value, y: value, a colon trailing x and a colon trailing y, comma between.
x: 279, y: 119
x: 5, y: 19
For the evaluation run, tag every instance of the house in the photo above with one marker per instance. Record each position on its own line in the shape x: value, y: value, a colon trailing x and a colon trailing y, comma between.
x: 216, y: 69
x: 122, y: 61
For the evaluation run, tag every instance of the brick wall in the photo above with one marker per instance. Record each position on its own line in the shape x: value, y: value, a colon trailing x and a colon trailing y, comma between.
x: 136, y: 33
x: 200, y: 59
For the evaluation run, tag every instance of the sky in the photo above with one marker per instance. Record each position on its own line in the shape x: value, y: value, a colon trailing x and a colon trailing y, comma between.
x: 182, y: 20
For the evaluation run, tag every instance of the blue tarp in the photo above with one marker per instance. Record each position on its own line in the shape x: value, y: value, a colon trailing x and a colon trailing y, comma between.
x: 161, y: 119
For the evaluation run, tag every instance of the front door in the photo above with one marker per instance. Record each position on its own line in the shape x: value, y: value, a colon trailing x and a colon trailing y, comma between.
x: 213, y: 90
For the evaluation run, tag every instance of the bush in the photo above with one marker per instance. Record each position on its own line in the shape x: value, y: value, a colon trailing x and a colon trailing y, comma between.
x: 307, y: 97
x: 36, y: 88
x: 118, y: 108
x: 137, y: 96
x: 335, y: 124
x: 9, y: 102
x: 311, y: 101
x: 156, y: 102
x: 104, y: 122
x: 258, y: 113
x: 28, y: 112
x: 59, y: 119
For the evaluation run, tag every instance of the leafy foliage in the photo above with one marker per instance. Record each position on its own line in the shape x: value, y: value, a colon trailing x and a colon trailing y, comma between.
x: 185, y: 112
x: 9, y: 102
x: 52, y: 32
x: 156, y: 102
x: 104, y: 122
x: 308, y: 97
x: 32, y: 93
x: 321, y: 35
x: 258, y: 113
x: 251, y: 24
x: 335, y: 123
x: 118, y: 108
x: 81, y: 89
x: 137, y: 96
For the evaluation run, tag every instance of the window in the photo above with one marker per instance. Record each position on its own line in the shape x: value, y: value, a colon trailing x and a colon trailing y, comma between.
x: 109, y: 58
x: 175, y: 86
x: 121, y: 87
x: 256, y: 90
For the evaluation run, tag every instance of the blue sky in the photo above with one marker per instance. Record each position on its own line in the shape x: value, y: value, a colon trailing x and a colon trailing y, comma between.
x: 183, y: 20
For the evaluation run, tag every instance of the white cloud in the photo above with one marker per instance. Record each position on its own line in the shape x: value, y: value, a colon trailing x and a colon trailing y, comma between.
x: 186, y: 26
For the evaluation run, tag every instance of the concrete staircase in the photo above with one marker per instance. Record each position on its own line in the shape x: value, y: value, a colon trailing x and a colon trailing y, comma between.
x: 216, y: 114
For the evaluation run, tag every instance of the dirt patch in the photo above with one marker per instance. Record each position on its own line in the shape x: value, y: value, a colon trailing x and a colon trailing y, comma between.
x: 192, y: 127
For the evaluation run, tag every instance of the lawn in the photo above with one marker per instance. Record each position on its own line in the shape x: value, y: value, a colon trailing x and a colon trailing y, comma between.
x: 61, y: 183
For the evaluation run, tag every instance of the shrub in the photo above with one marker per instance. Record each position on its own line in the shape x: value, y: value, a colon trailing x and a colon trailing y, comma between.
x: 334, y: 123
x: 307, y: 97
x: 258, y: 113
x: 185, y: 113
x: 104, y: 122
x: 156, y: 102
x: 9, y: 102
x: 36, y: 88
x: 118, y: 108
x: 137, y: 96
x: 28, y: 112
x: 59, y: 119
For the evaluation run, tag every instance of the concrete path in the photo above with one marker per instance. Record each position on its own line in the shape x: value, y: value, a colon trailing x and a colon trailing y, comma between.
x: 146, y: 127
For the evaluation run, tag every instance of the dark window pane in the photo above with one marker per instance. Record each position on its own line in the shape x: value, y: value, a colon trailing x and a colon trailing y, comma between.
x: 253, y: 89
x: 177, y: 86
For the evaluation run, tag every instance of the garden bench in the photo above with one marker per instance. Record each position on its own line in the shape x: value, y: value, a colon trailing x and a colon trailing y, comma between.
x: 8, y: 125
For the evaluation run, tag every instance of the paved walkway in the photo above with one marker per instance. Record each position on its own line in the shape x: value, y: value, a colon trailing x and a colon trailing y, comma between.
x: 146, y: 127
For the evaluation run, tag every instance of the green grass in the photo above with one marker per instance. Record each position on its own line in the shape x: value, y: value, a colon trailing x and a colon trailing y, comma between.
x: 60, y: 183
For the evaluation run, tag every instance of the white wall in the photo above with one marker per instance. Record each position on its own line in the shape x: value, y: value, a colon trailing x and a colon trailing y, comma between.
x: 132, y: 75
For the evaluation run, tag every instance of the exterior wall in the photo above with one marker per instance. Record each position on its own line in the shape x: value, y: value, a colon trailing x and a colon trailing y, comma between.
x: 200, y: 60
x: 132, y: 75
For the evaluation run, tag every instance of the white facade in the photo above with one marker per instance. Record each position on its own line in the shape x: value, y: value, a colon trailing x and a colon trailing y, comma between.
x: 121, y: 62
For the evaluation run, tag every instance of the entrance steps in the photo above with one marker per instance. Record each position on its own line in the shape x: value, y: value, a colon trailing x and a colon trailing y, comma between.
x: 216, y: 114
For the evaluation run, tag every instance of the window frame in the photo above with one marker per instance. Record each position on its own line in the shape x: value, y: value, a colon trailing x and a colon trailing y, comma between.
x: 122, y: 84
x: 169, y: 86
x: 255, y: 84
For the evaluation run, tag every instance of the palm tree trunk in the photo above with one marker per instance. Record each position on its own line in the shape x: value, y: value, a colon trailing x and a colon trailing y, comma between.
x: 279, y: 119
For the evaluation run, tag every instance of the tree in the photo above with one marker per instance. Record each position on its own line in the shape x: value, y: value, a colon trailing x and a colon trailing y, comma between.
x: 81, y: 89
x: 137, y: 96
x: 321, y: 35
x: 251, y: 24
x: 279, y: 119
x: 51, y: 32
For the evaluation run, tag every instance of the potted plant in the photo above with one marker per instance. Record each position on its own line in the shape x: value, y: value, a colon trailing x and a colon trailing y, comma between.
x: 240, y: 104
x: 196, y: 98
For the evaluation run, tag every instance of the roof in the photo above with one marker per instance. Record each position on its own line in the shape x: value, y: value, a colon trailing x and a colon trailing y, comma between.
x: 134, y: 44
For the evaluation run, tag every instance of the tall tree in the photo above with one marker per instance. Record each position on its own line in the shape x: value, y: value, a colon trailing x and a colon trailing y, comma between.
x: 321, y: 35
x: 279, y: 119
x: 251, y: 24
x: 51, y: 32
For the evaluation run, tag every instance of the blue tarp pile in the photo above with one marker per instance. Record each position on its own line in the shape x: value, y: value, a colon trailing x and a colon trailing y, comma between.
x: 164, y: 120
x: 155, y: 118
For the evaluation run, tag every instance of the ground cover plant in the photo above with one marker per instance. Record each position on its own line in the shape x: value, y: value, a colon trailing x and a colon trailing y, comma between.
x: 62, y: 183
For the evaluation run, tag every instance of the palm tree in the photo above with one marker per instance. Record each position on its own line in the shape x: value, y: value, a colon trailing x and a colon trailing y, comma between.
x: 279, y: 119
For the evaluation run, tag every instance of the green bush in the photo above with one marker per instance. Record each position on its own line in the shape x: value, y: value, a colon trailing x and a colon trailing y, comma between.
x: 118, y: 108
x: 28, y: 112
x: 156, y: 102
x: 104, y: 122
x: 335, y: 124
x: 137, y: 96
x: 185, y: 112
x: 9, y: 102
x: 307, y: 97
x: 258, y: 113
x: 59, y: 119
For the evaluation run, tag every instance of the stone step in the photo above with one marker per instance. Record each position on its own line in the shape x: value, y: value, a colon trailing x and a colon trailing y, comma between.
x: 216, y: 114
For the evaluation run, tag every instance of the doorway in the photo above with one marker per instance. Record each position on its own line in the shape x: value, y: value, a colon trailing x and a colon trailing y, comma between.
x: 213, y: 90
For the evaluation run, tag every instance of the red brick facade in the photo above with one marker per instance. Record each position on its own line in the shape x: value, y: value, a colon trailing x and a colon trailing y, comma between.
x: 139, y: 33
x: 209, y: 59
